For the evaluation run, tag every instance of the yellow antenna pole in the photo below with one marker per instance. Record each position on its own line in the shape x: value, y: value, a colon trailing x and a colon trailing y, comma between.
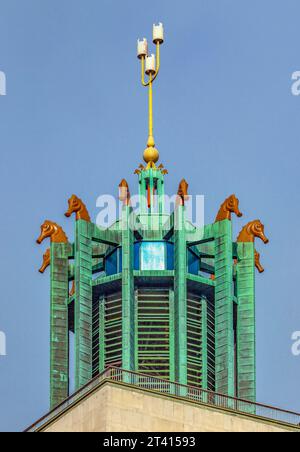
x: 150, y: 142
x: 148, y: 66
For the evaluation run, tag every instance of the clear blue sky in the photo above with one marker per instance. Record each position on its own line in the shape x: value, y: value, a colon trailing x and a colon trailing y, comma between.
x: 74, y: 120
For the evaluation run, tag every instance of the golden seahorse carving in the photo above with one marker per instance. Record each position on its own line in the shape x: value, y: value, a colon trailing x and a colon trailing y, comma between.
x: 252, y: 230
x: 46, y: 261
x: 124, y: 193
x: 77, y: 206
x: 183, y: 192
x: 229, y: 206
x: 258, y: 265
x: 256, y: 262
x: 52, y: 230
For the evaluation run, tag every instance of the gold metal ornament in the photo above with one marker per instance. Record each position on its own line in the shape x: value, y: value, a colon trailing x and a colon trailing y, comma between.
x: 78, y: 207
x: 124, y: 193
x: 46, y: 261
x: 252, y: 230
x: 52, y: 230
x: 229, y: 206
x: 258, y: 265
x: 182, y: 192
x: 150, y: 65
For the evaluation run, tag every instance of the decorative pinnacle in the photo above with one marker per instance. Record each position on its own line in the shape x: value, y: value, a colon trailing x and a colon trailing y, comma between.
x: 150, y: 65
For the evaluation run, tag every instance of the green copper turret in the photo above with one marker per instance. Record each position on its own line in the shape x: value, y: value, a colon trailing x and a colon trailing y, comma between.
x: 154, y: 294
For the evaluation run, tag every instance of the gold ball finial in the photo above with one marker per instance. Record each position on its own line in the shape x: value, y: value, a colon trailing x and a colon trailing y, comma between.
x: 151, y: 155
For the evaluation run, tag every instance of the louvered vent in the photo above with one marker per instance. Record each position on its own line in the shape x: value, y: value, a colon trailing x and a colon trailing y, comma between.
x: 113, y: 330
x: 153, y: 332
x: 211, y: 379
x: 95, y: 338
x: 194, y: 340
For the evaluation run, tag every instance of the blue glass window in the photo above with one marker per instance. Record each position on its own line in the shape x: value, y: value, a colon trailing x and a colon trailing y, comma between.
x: 193, y: 263
x: 137, y: 248
x: 170, y: 256
x: 113, y: 263
x: 153, y: 256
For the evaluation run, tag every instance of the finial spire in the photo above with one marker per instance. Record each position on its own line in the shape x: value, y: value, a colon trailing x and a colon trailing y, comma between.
x: 150, y: 65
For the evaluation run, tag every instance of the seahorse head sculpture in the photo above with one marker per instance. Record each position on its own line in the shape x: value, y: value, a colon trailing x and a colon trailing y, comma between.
x: 53, y: 231
x: 258, y: 265
x: 229, y: 206
x: 124, y: 193
x: 46, y: 261
x: 251, y: 230
x: 183, y: 192
x: 77, y: 206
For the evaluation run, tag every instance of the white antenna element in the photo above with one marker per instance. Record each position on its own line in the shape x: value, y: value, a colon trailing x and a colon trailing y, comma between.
x: 158, y: 33
x: 150, y: 64
x: 142, y: 48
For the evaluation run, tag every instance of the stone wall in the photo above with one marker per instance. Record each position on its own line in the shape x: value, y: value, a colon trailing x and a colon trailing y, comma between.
x: 117, y: 408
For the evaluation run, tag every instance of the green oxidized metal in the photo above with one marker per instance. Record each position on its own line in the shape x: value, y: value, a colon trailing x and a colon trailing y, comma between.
x: 145, y: 300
